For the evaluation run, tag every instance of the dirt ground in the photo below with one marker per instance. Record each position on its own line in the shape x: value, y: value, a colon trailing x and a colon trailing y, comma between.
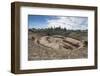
x: 41, y: 47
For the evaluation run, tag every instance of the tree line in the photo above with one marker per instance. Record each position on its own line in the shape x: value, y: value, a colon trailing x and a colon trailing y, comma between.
x: 56, y: 31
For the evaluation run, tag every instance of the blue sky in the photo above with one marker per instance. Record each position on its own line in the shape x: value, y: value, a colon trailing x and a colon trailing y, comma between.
x: 39, y: 21
x: 69, y: 22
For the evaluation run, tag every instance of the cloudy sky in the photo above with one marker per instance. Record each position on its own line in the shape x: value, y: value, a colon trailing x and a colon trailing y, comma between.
x: 68, y: 22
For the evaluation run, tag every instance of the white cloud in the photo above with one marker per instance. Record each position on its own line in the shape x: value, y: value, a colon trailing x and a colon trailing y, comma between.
x: 69, y: 22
